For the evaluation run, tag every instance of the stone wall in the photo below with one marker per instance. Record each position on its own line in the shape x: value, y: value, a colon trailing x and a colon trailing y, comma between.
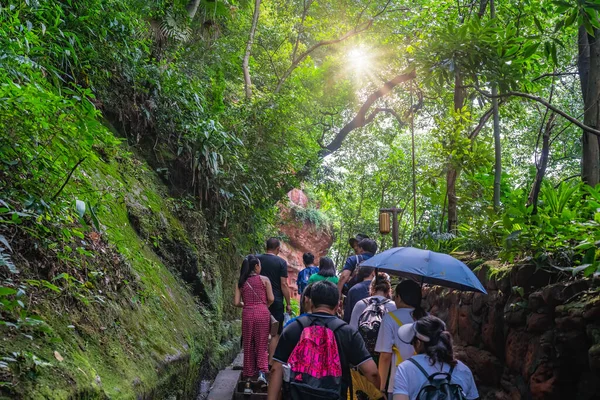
x: 533, y: 336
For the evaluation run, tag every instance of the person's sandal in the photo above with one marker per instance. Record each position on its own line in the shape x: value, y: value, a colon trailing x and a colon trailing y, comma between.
x: 248, y: 390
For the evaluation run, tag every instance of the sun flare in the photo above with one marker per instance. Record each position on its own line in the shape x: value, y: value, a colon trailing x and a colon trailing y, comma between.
x: 359, y: 59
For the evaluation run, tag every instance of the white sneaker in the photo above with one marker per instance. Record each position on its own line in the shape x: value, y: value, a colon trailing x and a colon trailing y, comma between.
x: 262, y: 378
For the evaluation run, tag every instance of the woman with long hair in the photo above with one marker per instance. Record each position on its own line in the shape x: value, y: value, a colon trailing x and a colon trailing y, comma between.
x: 326, y: 272
x: 435, y: 354
x: 392, y: 351
x: 380, y: 290
x: 254, y: 294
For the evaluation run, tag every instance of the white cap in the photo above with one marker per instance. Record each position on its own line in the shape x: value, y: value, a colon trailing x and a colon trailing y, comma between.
x: 407, y: 333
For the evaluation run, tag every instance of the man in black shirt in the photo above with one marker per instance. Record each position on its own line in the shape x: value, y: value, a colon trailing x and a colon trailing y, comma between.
x: 325, y: 298
x: 275, y: 268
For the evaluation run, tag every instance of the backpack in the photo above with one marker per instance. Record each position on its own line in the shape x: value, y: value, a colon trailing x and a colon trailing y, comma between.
x: 439, y: 386
x: 369, y: 321
x: 354, y: 275
x: 304, y: 276
x: 315, y: 365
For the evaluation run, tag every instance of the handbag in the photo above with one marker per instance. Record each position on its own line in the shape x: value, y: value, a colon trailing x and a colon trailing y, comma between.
x: 274, y: 323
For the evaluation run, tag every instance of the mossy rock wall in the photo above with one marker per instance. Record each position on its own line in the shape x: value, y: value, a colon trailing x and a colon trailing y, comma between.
x: 144, y: 308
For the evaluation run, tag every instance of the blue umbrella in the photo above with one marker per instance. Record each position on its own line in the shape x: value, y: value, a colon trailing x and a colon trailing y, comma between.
x: 426, y: 266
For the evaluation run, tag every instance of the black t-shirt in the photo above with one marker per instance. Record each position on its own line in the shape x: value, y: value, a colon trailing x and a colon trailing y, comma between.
x: 274, y: 268
x: 352, y: 345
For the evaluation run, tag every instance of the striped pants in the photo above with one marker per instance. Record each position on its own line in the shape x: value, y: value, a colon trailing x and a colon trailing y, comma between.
x: 256, y: 323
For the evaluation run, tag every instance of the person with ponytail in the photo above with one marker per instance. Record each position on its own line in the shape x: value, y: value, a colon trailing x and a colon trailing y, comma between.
x: 380, y: 290
x: 254, y: 294
x: 392, y: 351
x: 435, y: 354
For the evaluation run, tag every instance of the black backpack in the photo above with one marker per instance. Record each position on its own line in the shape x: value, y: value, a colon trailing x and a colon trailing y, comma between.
x: 369, y: 321
x: 439, y: 386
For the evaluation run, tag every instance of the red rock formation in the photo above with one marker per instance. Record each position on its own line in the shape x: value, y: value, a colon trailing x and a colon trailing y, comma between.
x: 302, y: 237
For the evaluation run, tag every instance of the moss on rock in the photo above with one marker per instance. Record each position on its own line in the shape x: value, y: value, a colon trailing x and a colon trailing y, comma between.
x: 127, y: 324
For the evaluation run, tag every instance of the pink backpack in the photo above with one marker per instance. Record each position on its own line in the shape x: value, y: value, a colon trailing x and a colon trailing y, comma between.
x: 315, y: 365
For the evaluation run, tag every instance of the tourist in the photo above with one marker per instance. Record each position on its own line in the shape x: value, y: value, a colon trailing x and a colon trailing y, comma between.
x: 353, y: 242
x: 326, y: 272
x: 392, y: 351
x: 352, y: 351
x: 359, y: 291
x: 275, y: 268
x: 365, y: 249
x: 379, y: 291
x: 307, y: 272
x: 433, y: 344
x: 305, y: 304
x: 254, y: 294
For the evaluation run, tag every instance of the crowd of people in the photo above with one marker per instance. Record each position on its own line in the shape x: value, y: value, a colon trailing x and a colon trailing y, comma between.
x: 356, y: 337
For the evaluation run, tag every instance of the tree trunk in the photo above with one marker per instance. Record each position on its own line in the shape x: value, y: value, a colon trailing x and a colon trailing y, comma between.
x: 541, y: 165
x: 453, y: 172
x: 245, y: 67
x: 497, y: 150
x: 497, y: 144
x: 451, y: 176
x: 192, y: 8
x: 589, y: 75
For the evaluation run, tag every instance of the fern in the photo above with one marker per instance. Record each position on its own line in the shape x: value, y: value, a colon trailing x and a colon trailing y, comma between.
x: 5, y: 260
x: 173, y: 29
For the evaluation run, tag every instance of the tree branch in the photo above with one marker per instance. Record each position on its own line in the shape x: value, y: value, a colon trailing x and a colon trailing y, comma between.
x: 361, y: 119
x: 547, y: 105
x: 553, y: 75
x: 568, y: 178
x: 68, y: 178
x: 307, y: 5
x: 247, y: 80
x: 261, y: 44
x: 482, y: 121
x: 314, y: 47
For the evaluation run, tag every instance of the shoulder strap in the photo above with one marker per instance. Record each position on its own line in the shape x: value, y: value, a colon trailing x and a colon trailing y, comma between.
x: 305, y: 321
x: 334, y: 324
x: 254, y: 291
x: 420, y: 367
x: 396, y: 319
x: 451, y: 370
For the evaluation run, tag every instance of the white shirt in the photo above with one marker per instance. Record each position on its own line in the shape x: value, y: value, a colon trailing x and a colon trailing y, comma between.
x: 362, y: 306
x: 409, y: 379
x: 388, y: 338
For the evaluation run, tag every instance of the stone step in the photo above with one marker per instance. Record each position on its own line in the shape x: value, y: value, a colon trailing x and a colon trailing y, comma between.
x: 225, y: 384
x: 238, y: 363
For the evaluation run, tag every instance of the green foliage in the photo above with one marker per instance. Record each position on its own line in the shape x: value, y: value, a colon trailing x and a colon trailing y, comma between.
x: 311, y: 215
x: 563, y: 232
x: 295, y: 307
x: 88, y: 87
x: 5, y: 260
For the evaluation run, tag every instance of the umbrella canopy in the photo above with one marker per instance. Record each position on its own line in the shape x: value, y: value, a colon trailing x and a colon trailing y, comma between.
x: 426, y: 266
